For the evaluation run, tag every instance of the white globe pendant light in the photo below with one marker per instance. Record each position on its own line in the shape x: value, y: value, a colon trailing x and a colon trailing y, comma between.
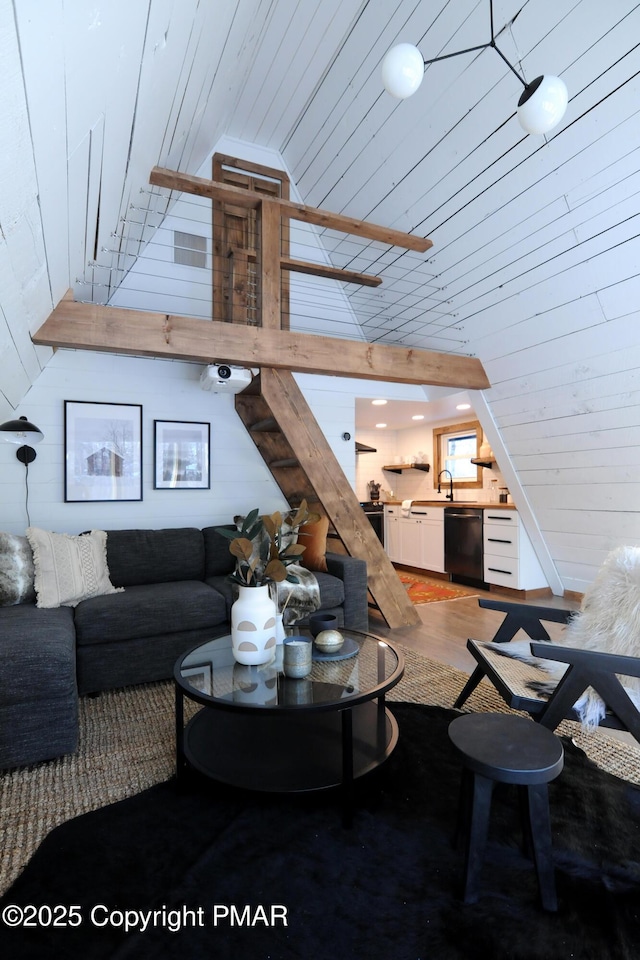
x: 543, y: 104
x: 540, y: 108
x: 402, y: 70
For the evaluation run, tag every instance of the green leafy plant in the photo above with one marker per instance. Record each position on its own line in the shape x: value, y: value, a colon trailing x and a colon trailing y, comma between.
x: 264, y: 546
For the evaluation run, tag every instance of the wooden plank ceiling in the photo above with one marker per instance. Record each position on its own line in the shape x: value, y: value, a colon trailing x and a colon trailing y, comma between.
x: 534, y: 268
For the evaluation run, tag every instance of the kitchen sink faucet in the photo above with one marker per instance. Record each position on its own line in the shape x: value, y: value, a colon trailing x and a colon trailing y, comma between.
x: 449, y: 496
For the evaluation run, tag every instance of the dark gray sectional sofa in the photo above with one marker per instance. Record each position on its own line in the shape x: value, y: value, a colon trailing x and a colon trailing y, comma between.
x: 176, y: 595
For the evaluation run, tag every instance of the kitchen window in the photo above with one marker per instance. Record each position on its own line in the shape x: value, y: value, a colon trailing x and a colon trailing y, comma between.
x: 454, y: 446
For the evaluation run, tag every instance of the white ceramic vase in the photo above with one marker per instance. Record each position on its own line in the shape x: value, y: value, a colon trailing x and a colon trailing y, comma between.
x: 253, y: 626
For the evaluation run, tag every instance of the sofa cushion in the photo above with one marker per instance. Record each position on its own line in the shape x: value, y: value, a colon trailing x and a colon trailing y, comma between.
x: 331, y: 590
x: 16, y: 570
x: 69, y: 569
x: 227, y: 589
x: 155, y: 556
x: 38, y: 654
x: 149, y: 610
x: 218, y: 559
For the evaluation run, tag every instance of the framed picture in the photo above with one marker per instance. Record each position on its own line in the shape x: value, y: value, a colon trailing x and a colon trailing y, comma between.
x: 200, y: 677
x: 181, y: 460
x: 102, y: 451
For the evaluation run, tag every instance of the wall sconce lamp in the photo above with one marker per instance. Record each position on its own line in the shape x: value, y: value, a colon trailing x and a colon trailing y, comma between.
x: 17, y: 431
x: 541, y: 106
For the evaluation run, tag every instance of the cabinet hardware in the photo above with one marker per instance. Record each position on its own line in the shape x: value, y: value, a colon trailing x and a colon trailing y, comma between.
x: 498, y: 540
x: 498, y: 570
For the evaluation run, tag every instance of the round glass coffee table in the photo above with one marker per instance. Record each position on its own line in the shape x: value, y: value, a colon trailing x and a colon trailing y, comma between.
x: 261, y: 730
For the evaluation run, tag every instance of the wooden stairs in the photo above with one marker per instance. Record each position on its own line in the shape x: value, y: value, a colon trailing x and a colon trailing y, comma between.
x: 303, y: 465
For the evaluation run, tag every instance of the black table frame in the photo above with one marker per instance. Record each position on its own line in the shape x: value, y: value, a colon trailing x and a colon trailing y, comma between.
x: 200, y: 744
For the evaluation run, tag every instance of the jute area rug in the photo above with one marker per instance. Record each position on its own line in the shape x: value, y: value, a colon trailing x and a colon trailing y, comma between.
x: 127, y: 745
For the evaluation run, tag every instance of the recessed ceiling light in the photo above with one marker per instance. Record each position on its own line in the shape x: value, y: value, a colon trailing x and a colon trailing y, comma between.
x: 418, y: 416
x: 378, y: 403
x: 463, y: 406
x: 380, y: 424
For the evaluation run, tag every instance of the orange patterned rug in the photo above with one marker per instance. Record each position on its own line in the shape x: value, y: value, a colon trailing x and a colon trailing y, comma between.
x: 419, y: 591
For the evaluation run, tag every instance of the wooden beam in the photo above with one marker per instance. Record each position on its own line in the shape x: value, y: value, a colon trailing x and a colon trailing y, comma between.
x: 331, y: 273
x: 185, y: 183
x: 87, y: 326
x: 269, y: 280
x: 315, y: 456
x: 317, y: 269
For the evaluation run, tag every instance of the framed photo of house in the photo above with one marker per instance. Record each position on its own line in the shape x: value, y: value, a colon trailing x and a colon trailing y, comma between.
x: 181, y: 455
x: 102, y: 451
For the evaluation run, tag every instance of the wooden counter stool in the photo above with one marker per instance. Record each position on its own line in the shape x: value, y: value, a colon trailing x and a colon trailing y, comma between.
x: 499, y: 748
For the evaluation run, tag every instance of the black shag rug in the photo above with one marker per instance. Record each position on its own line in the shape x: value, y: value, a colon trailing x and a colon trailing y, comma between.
x: 387, y: 888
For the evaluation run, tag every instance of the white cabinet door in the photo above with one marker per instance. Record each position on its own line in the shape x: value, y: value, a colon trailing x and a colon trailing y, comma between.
x: 392, y: 533
x: 433, y: 545
x: 411, y: 542
x: 431, y: 537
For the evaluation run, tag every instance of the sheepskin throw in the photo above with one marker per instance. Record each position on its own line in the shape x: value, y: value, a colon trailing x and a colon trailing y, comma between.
x: 16, y: 570
x: 608, y: 621
x: 300, y: 599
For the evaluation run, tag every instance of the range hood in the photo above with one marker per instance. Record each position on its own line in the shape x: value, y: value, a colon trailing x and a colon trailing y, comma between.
x: 363, y: 448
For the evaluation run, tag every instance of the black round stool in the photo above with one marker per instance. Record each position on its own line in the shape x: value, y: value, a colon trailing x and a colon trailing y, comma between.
x: 499, y: 748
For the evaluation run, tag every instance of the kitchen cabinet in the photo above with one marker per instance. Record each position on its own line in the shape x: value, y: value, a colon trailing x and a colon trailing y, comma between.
x: 411, y: 541
x: 416, y: 540
x: 392, y: 533
x: 431, y: 520
x: 509, y: 557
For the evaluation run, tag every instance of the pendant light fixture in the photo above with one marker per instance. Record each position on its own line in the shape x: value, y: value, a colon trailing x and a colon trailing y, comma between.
x: 541, y: 106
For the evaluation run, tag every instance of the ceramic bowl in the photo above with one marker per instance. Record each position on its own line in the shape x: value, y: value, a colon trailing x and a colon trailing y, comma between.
x: 329, y: 641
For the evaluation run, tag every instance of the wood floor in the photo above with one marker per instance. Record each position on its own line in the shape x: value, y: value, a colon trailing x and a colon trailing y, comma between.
x: 447, y: 624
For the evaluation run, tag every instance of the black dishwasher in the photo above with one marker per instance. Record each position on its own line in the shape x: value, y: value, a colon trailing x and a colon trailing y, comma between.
x: 463, y: 558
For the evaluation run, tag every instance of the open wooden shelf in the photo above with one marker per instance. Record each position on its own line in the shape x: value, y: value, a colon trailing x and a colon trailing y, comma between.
x: 399, y: 467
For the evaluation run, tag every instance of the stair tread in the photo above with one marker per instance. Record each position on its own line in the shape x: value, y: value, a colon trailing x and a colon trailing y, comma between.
x: 268, y: 425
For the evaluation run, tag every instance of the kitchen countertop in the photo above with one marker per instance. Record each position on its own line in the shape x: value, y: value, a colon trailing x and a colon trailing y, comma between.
x: 456, y: 503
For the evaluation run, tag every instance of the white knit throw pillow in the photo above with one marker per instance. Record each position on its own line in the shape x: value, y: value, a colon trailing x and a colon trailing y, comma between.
x: 68, y: 568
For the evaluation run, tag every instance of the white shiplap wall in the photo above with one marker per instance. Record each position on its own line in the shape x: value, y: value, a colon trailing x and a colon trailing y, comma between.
x: 167, y: 391
x: 534, y: 267
x: 536, y: 240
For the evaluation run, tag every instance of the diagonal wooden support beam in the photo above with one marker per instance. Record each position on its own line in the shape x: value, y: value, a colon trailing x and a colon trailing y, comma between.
x: 316, y: 458
x: 87, y: 326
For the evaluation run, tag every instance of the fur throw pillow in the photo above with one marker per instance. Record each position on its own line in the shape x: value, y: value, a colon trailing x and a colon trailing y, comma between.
x: 16, y: 570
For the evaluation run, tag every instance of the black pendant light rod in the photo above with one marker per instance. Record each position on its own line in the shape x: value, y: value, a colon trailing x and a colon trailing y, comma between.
x: 481, y: 46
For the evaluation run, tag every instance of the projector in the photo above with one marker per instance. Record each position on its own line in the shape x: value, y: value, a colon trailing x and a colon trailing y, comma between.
x: 223, y: 378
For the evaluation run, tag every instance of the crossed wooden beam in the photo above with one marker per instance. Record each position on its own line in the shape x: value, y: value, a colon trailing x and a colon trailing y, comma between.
x: 117, y: 330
